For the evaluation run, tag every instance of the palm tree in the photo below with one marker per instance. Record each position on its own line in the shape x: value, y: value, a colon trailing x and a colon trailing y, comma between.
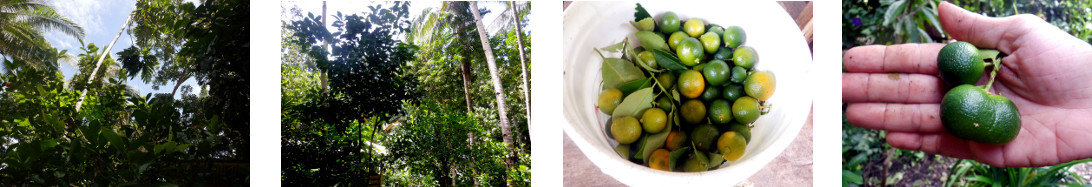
x: 21, y: 26
x: 506, y: 129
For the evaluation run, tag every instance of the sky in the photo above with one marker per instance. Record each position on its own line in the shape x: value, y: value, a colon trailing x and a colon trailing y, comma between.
x: 101, y: 21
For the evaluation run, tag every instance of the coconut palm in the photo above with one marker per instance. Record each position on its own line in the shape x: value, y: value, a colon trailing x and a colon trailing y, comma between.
x: 506, y: 129
x: 21, y: 25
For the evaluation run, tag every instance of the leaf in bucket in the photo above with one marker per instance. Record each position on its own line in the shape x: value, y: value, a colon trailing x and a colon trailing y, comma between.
x: 667, y: 60
x: 655, y: 141
x: 635, y: 103
x: 617, y: 71
x: 632, y: 86
x: 676, y: 155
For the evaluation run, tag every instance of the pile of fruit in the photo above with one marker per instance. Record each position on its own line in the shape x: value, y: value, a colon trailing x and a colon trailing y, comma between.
x: 689, y: 99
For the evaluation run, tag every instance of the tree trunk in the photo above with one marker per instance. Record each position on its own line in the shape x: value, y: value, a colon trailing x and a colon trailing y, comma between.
x: 322, y: 73
x: 466, y: 79
x: 522, y: 63
x: 178, y: 83
x: 506, y: 129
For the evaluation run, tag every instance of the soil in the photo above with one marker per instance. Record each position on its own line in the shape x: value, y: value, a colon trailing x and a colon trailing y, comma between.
x: 930, y: 170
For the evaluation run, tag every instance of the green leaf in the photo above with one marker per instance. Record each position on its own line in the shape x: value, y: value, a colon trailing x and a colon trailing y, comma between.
x: 652, y: 41
x: 676, y: 156
x: 617, y: 71
x: 655, y: 141
x: 667, y: 60
x: 714, y: 160
x: 931, y: 17
x: 641, y: 13
x: 635, y: 103
x: 112, y: 137
x: 632, y: 86
x: 851, y: 177
x: 893, y: 11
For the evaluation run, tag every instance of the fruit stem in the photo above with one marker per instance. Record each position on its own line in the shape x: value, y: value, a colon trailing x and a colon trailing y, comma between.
x: 766, y: 108
x: 993, y: 75
x: 992, y: 57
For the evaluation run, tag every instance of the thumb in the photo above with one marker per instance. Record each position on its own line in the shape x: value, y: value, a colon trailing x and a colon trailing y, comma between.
x: 983, y: 31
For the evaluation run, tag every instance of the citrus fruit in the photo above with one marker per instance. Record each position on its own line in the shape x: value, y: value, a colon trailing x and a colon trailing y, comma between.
x: 694, y: 27
x: 704, y: 137
x: 669, y: 22
x: 710, y: 41
x: 660, y: 160
x: 734, y: 36
x: 720, y: 111
x: 654, y: 120
x: 690, y: 52
x: 716, y: 72
x: 732, y: 145
x: 710, y: 93
x: 959, y: 63
x: 626, y: 129
x: 667, y: 79
x: 745, y: 57
x: 968, y: 112
x: 609, y: 99
x: 676, y: 139
x: 676, y: 38
x: 691, y: 84
x: 732, y: 92
x: 693, y: 111
x: 760, y: 85
x: 746, y: 110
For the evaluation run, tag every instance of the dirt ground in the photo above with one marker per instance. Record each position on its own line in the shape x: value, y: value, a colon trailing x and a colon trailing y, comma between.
x: 931, y: 170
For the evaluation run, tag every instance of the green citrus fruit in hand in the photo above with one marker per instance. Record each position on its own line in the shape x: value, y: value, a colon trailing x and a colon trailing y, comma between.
x: 710, y: 41
x: 691, y: 84
x: 959, y: 63
x: 720, y: 111
x: 694, y: 27
x: 704, y: 137
x: 746, y: 110
x: 745, y: 57
x: 732, y: 145
x: 690, y: 52
x: 760, y: 85
x: 734, y: 36
x: 716, y: 72
x: 968, y: 112
x: 660, y: 160
x: 609, y: 99
x: 654, y: 120
x: 676, y: 38
x: 626, y: 129
x: 669, y: 22
x: 676, y: 139
x: 693, y: 111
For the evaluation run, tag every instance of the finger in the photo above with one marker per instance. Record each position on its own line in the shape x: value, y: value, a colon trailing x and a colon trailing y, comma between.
x: 899, y: 88
x: 904, y: 58
x: 917, y: 118
x: 983, y: 31
x: 937, y: 143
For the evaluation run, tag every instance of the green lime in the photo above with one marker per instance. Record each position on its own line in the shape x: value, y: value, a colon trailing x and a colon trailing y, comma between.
x: 649, y: 59
x: 732, y: 145
x: 739, y: 74
x: 654, y: 120
x: 626, y: 129
x: 716, y: 72
x: 734, y: 36
x: 660, y: 160
x: 669, y: 22
x: 732, y: 92
x: 746, y: 110
x: 741, y: 129
x: 745, y: 57
x: 690, y: 52
x: 694, y: 163
x: 609, y: 99
x: 710, y: 41
x: 716, y: 29
x: 694, y: 27
x: 959, y: 63
x: 693, y: 111
x: 676, y: 38
x: 720, y: 111
x: 723, y: 53
x: 704, y: 137
x: 968, y: 112
x: 760, y: 85
x: 676, y: 139
x: 667, y: 79
x: 691, y: 84
x: 710, y: 93
x: 664, y: 103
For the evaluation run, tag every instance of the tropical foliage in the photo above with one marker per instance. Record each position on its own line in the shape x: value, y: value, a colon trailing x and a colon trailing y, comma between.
x: 412, y: 111
x: 120, y: 137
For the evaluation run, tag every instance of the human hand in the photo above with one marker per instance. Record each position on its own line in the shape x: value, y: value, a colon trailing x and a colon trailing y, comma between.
x: 1047, y: 74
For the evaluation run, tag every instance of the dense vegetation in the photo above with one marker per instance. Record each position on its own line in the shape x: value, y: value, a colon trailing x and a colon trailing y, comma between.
x: 389, y: 99
x: 117, y: 136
